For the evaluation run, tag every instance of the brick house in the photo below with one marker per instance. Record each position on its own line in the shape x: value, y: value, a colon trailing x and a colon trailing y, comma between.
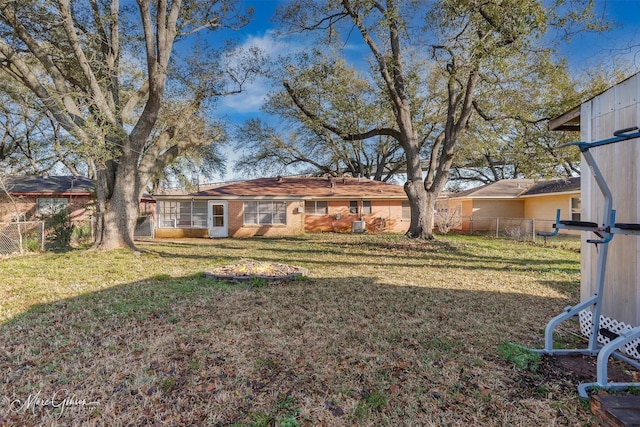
x: 33, y: 197
x: 284, y: 206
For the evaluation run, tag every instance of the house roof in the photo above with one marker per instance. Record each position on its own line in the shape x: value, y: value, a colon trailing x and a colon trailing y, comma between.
x: 514, y: 188
x: 307, y: 187
x: 559, y: 185
x: 49, y: 185
x: 505, y: 188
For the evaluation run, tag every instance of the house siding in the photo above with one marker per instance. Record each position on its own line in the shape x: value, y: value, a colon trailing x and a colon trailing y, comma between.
x: 177, y: 233
x: 477, y: 213
x: 385, y: 216
x: 544, y: 210
x: 498, y: 209
x: 80, y: 207
x: 294, y: 224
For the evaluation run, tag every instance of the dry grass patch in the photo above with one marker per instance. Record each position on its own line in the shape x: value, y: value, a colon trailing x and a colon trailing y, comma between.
x: 383, y: 331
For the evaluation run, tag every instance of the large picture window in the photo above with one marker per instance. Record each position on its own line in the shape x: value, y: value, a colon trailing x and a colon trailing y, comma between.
x: 265, y: 213
x: 316, y: 208
x: 182, y: 214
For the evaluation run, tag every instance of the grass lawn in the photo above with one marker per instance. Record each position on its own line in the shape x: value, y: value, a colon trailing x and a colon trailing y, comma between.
x: 383, y: 331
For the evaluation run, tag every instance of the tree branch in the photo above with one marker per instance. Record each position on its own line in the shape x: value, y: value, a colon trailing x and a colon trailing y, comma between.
x: 347, y: 137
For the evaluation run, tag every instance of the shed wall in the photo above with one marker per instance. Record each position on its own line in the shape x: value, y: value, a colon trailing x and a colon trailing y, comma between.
x: 617, y: 108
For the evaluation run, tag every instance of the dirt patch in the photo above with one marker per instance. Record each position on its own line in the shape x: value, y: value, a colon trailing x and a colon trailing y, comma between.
x: 583, y: 368
x: 565, y: 373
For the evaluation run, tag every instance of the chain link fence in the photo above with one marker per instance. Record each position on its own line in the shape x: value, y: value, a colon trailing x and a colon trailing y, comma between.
x: 21, y: 237
x: 509, y: 228
x: 37, y: 236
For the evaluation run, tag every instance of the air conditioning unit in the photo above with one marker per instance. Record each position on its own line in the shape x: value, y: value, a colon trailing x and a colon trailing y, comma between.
x: 358, y: 227
x: 300, y: 210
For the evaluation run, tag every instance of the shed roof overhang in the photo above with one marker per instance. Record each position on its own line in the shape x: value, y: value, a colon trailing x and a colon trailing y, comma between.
x: 569, y: 121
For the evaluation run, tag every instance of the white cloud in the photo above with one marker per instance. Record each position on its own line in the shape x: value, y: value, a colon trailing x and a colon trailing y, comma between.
x: 254, y: 93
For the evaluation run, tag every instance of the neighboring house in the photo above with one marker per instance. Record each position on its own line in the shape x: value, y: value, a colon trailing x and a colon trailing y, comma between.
x: 543, y: 199
x: 479, y: 208
x: 284, y: 206
x: 35, y: 197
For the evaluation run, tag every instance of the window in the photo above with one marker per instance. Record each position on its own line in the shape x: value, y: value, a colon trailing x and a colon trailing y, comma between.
x: 182, y: 214
x: 52, y: 205
x: 265, y: 213
x: 353, y: 207
x: 316, y: 208
x: 366, y: 207
x: 199, y: 212
x: 576, y: 208
x: 406, y: 210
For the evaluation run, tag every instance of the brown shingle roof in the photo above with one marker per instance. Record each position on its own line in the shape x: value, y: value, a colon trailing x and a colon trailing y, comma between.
x: 315, y: 188
x: 559, y: 185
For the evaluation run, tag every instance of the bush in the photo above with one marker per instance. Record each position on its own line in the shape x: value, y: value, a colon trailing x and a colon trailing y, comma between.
x: 59, y: 229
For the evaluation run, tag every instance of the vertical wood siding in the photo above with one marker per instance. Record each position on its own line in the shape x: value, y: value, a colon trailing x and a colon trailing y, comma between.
x: 617, y: 108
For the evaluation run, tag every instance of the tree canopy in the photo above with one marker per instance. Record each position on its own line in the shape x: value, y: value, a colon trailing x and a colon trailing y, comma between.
x: 102, y: 71
x: 436, y: 65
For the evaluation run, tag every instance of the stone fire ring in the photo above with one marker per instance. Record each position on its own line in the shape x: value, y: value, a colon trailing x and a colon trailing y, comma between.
x: 248, y: 270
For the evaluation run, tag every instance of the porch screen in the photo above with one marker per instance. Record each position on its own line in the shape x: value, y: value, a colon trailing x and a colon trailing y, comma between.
x: 265, y: 213
x: 182, y: 214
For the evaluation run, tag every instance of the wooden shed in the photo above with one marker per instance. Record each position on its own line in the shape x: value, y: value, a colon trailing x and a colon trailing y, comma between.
x: 597, y: 119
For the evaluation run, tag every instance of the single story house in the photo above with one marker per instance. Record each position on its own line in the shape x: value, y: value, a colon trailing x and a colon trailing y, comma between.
x: 33, y: 197
x: 284, y: 206
x: 479, y: 208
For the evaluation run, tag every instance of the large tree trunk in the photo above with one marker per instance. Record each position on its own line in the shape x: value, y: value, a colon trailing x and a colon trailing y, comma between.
x: 421, y: 222
x: 115, y: 225
x: 421, y: 226
x: 118, y: 196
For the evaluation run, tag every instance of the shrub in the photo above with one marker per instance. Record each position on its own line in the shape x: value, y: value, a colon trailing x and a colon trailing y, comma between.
x: 59, y: 229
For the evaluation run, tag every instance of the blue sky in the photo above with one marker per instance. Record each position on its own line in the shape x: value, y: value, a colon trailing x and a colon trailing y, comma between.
x: 618, y: 46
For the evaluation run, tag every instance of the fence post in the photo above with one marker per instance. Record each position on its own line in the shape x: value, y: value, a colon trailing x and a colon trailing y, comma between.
x: 533, y: 229
x: 497, y: 227
x: 42, y: 238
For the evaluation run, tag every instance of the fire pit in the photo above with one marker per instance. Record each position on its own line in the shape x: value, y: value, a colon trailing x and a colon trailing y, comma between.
x: 248, y: 270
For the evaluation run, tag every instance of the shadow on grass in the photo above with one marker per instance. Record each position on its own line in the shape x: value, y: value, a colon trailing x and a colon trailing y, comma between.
x: 193, y: 351
x: 399, y: 253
